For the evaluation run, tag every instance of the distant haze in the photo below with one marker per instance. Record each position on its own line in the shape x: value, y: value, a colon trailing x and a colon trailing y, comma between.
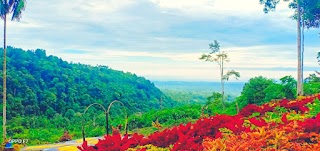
x: 231, y: 88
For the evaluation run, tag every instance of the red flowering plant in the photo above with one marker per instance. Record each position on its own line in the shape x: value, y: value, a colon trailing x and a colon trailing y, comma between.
x: 188, y: 143
x: 266, y: 108
x: 113, y: 143
x: 299, y: 105
x: 190, y: 136
x: 312, y: 125
x: 249, y: 109
x: 261, y: 122
x: 162, y: 139
x: 285, y: 134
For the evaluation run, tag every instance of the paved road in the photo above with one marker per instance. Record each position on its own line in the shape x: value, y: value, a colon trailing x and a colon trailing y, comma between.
x: 65, y: 146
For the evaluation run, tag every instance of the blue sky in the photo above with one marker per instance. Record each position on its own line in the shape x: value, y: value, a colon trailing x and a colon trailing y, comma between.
x: 163, y: 39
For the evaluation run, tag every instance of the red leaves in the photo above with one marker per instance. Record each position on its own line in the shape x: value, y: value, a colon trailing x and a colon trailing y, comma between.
x: 191, y: 136
x: 113, y: 143
x: 249, y: 109
x: 188, y: 144
x: 312, y: 125
x: 284, y: 118
x: 85, y: 147
x: 298, y: 106
x: 258, y: 123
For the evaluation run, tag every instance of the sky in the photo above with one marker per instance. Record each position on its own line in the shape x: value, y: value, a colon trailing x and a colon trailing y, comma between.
x: 162, y: 40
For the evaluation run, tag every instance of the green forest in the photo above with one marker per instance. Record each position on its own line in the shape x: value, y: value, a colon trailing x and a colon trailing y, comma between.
x: 45, y: 91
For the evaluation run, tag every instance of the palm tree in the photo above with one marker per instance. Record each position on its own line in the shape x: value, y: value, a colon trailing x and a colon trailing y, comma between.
x: 7, y: 7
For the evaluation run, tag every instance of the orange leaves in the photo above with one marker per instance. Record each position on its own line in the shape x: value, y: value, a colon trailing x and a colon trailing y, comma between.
x: 214, y: 145
x: 293, y: 132
x: 288, y: 137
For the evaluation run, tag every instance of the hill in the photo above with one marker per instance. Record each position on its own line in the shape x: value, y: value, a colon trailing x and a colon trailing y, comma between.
x: 38, y: 84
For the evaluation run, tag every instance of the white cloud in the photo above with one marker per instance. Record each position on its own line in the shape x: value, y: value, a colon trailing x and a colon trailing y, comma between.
x: 173, y: 33
x: 209, y: 8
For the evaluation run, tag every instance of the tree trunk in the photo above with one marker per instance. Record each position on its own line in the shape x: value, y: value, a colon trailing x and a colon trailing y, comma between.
x: 237, y: 106
x: 222, y: 84
x: 299, y: 81
x: 4, y: 79
x: 302, y: 54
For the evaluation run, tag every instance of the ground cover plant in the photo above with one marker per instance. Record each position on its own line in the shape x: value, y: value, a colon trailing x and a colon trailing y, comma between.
x: 276, y: 125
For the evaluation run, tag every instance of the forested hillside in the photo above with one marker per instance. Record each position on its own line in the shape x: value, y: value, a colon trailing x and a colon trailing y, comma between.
x: 38, y: 84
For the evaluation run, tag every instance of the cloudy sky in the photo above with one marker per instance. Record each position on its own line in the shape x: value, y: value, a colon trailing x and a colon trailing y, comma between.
x: 163, y: 39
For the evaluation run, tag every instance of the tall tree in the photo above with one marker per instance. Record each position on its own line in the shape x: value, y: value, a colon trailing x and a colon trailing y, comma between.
x: 220, y: 57
x: 307, y: 14
x: 7, y: 7
x: 270, y: 5
x: 309, y: 18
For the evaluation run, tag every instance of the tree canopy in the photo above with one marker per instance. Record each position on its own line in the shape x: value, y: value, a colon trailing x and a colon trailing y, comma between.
x: 38, y: 84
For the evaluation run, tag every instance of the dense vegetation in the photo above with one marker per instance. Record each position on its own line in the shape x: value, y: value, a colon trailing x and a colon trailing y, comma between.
x: 46, y: 85
x: 46, y: 95
x: 187, y: 96
x: 260, y: 90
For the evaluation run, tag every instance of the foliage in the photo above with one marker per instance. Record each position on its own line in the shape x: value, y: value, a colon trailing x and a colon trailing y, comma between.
x: 46, y: 85
x: 312, y: 84
x: 41, y: 130
x: 223, y: 132
x: 12, y: 6
x: 148, y: 147
x: 115, y: 142
x: 260, y: 90
x: 254, y: 91
x: 167, y: 117
x: 289, y: 87
x: 311, y: 13
x: 214, y: 107
x: 186, y: 96
x: 45, y: 92
x: 215, y: 97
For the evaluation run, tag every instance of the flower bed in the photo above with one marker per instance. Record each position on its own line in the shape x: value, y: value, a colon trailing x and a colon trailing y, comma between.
x: 292, y: 129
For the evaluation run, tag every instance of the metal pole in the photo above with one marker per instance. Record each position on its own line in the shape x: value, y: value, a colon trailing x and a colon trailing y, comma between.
x: 105, y: 111
x: 83, y: 135
x: 107, y: 120
x: 127, y: 125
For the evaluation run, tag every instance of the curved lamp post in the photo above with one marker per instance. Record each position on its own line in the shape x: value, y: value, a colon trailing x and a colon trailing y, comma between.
x: 107, y: 115
x: 105, y: 111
